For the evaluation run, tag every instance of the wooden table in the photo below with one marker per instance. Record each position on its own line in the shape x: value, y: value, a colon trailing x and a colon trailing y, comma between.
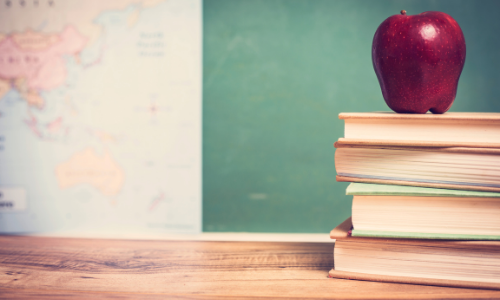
x: 55, y: 268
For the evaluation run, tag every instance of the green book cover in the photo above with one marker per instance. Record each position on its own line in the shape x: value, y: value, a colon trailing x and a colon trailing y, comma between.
x: 422, y: 235
x: 400, y: 190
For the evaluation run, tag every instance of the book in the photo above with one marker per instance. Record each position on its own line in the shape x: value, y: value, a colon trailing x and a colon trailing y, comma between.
x: 462, y: 168
x: 466, y: 264
x: 392, y: 211
x: 449, y: 129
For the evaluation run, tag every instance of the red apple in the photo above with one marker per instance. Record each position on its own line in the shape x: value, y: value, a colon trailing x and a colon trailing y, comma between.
x: 418, y: 60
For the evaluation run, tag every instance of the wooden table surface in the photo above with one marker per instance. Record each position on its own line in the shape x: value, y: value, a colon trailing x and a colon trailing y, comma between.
x: 60, y: 268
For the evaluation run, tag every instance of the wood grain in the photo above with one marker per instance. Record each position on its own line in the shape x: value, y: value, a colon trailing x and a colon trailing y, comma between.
x: 52, y: 268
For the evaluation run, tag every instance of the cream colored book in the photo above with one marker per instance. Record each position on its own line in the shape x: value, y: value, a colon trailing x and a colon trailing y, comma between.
x: 449, y: 129
x: 465, y: 264
x: 442, y: 167
x: 393, y: 211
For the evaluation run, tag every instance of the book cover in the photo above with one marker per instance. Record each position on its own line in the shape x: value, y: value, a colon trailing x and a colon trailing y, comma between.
x: 449, y: 116
x: 401, y: 190
x: 437, y: 185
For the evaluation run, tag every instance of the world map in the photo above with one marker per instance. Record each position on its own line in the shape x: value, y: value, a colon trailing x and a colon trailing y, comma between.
x: 100, y: 116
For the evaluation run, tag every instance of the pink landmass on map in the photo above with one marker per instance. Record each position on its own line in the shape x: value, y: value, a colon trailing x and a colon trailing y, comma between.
x: 32, y: 124
x: 55, y: 126
x: 38, y: 61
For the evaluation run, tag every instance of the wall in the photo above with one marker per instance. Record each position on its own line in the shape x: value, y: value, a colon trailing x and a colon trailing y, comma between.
x: 277, y: 74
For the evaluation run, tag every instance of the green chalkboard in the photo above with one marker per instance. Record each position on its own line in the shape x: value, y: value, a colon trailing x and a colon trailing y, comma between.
x: 276, y: 75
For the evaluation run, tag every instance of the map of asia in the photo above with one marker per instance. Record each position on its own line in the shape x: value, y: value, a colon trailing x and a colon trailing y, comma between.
x: 100, y: 116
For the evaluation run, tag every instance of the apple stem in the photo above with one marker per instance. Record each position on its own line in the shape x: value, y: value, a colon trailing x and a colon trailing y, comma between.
x: 403, y: 12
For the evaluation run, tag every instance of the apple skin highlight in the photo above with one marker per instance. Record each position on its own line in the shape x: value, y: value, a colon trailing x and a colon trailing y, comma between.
x: 418, y: 61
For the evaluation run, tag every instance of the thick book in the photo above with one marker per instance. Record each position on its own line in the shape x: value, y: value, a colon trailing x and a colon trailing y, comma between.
x: 464, y: 264
x: 449, y: 129
x: 392, y: 211
x: 463, y: 168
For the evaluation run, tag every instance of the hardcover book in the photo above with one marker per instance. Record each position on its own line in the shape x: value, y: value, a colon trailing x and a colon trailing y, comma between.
x: 465, y: 264
x: 440, y: 167
x: 457, y: 129
x: 392, y: 211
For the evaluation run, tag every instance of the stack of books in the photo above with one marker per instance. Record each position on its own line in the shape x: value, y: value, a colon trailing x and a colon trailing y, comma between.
x: 426, y: 205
